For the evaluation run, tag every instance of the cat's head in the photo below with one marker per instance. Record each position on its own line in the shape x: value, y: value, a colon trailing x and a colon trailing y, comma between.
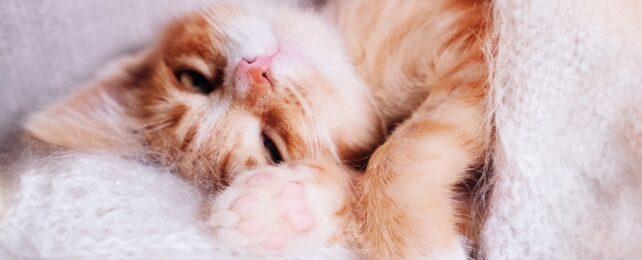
x: 227, y: 88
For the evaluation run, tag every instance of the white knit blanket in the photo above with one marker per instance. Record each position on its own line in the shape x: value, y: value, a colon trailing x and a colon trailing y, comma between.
x: 568, y: 177
x: 568, y: 101
x: 102, y: 206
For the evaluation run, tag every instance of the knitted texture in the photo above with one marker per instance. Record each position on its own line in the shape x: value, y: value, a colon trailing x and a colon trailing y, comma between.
x: 567, y: 92
x: 101, y: 206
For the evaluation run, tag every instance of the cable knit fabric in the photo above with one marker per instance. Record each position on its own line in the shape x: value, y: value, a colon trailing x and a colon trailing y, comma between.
x: 568, y: 103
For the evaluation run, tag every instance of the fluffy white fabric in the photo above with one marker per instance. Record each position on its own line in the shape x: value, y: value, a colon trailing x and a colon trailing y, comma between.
x: 101, y: 206
x: 568, y: 93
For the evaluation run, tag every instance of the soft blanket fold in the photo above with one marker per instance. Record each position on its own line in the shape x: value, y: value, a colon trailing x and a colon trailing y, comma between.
x: 568, y: 103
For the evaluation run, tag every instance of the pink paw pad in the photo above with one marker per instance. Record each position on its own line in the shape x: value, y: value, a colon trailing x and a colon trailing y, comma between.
x: 245, y: 203
x: 292, y: 189
x: 277, y: 209
x: 293, y: 207
x: 250, y: 226
x: 274, y: 242
x: 259, y: 179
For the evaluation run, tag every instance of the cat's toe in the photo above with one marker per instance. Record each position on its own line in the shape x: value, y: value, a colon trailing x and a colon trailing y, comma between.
x: 279, y: 209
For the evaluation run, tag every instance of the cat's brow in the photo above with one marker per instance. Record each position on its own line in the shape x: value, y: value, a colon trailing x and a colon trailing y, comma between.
x: 195, y: 63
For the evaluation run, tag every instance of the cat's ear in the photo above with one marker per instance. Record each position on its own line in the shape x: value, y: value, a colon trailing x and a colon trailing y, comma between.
x: 97, y: 115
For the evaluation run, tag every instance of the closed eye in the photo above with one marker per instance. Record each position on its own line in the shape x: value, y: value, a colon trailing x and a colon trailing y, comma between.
x: 195, y: 80
x: 272, y: 149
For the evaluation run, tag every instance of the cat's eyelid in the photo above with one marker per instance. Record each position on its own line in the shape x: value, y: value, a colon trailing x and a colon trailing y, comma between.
x: 196, y: 64
x: 278, y: 142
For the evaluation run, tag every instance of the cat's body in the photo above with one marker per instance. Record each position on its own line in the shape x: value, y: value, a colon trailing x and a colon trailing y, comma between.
x: 425, y: 63
x: 239, y: 87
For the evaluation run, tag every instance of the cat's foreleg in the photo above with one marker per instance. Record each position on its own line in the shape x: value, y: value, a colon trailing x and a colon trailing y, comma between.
x: 406, y: 207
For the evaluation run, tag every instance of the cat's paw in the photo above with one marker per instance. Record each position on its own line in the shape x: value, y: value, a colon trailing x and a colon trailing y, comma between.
x: 280, y: 209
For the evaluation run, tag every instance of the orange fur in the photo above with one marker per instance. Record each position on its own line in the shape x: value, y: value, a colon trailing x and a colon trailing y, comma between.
x: 426, y: 66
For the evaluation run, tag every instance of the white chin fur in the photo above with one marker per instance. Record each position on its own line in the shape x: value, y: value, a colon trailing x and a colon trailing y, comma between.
x: 97, y: 205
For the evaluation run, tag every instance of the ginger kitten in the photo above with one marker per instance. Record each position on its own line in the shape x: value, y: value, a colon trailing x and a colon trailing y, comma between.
x: 260, y: 104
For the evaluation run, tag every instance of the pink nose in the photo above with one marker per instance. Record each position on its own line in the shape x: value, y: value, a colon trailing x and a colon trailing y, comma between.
x: 256, y: 69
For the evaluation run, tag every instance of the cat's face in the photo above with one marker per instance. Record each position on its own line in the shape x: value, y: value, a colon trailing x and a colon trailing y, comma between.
x: 234, y: 87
